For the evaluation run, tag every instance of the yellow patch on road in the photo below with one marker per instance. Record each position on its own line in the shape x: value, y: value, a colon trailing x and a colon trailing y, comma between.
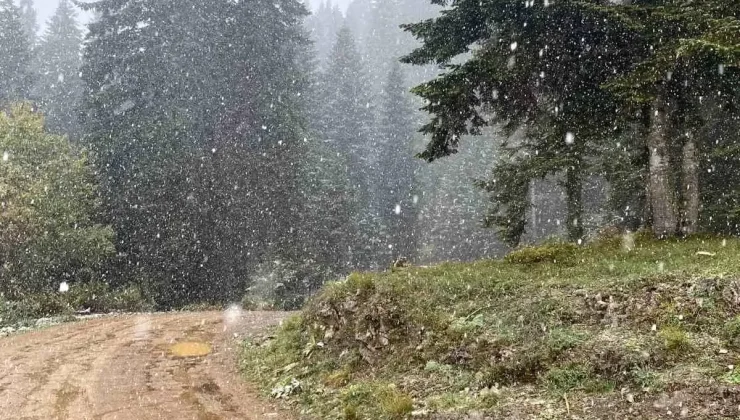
x: 190, y: 349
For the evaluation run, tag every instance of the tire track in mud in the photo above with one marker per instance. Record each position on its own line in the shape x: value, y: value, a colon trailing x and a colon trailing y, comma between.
x: 122, y: 368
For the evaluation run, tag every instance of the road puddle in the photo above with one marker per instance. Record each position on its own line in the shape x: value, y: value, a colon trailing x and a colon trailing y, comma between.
x: 190, y: 349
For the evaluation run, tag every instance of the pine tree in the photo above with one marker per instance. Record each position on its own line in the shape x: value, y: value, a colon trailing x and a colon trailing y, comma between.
x: 657, y: 58
x: 30, y: 24
x: 253, y: 173
x: 59, y: 86
x: 380, y: 40
x: 137, y: 138
x: 358, y: 19
x: 16, y: 55
x: 396, y: 167
x: 323, y: 26
x: 450, y: 207
x: 328, y: 209
x: 205, y: 99
x: 672, y: 86
x: 539, y: 78
x: 385, y: 42
x: 346, y: 125
x: 328, y: 206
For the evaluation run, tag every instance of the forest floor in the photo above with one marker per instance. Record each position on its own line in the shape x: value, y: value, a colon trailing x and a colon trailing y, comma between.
x: 134, y: 367
x: 627, y: 327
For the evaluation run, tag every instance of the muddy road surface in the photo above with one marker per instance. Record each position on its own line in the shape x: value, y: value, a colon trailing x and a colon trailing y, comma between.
x: 173, y: 366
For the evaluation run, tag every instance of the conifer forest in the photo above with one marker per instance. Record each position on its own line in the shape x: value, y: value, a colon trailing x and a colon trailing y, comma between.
x: 216, y: 151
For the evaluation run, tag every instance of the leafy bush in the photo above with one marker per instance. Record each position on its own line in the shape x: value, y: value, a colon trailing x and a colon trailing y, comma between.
x: 575, y: 377
x: 32, y: 307
x: 561, y: 339
x: 99, y: 298
x: 50, y: 198
x: 130, y: 299
x: 568, y: 378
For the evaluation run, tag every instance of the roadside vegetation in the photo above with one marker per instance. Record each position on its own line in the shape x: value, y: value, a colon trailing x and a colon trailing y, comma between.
x: 625, y: 326
x: 53, y: 250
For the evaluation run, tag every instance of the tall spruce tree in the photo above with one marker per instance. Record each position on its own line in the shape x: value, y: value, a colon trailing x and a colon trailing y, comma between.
x: 346, y: 124
x: 253, y: 171
x: 59, y: 87
x: 327, y: 200
x: 323, y: 26
x: 30, y: 23
x: 527, y: 73
x: 531, y: 74
x: 205, y: 99
x: 676, y: 87
x: 394, y: 185
x: 358, y: 19
x: 137, y: 138
x: 16, y: 55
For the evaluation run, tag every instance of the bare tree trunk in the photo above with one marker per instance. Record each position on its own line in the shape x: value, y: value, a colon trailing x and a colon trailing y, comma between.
x: 662, y: 195
x: 690, y: 186
x: 574, y: 196
x: 533, y: 207
x: 647, y: 210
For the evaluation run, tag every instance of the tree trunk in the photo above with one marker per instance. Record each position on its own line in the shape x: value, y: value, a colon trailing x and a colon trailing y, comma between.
x: 662, y: 194
x: 690, y: 187
x: 533, y: 207
x: 574, y: 195
x: 647, y: 210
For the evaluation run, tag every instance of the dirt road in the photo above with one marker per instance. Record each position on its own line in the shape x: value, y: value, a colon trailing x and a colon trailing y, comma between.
x: 125, y: 368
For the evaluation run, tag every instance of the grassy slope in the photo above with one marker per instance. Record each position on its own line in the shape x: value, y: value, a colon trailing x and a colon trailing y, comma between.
x: 611, y: 330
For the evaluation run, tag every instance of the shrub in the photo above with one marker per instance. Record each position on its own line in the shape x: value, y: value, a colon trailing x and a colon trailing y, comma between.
x: 568, y: 378
x: 731, y: 331
x: 98, y: 297
x: 395, y: 403
x: 555, y: 252
x: 561, y: 339
x: 50, y: 304
x: 376, y: 400
x: 576, y: 377
x: 32, y: 307
x: 49, y: 229
x: 130, y: 299
x: 255, y: 303
x: 13, y: 312
x: 283, y: 285
x: 675, y: 340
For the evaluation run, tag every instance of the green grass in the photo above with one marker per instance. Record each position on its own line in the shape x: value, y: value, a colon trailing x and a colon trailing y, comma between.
x: 594, y: 323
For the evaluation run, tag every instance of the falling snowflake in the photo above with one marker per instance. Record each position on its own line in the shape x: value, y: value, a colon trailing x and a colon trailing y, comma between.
x: 570, y: 138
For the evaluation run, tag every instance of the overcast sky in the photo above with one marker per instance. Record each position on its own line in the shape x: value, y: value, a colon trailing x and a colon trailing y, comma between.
x: 45, y: 8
